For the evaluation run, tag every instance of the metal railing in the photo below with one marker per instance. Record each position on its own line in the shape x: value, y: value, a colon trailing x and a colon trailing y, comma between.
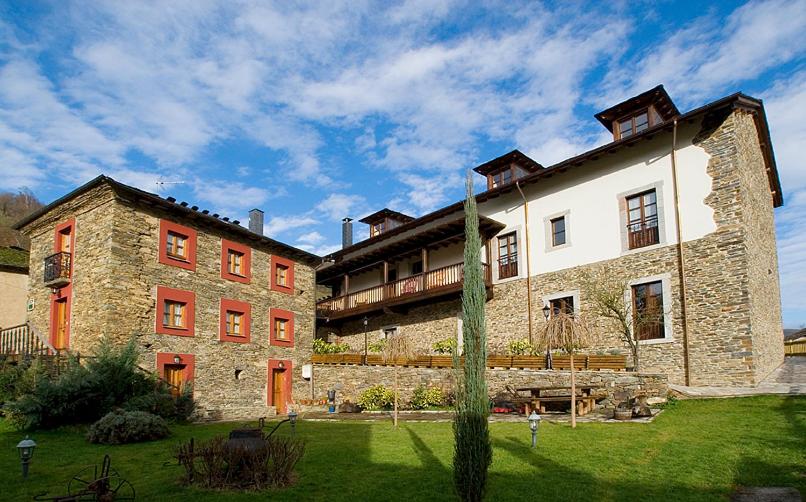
x: 507, y: 267
x: 449, y: 277
x: 57, y: 269
x: 643, y: 233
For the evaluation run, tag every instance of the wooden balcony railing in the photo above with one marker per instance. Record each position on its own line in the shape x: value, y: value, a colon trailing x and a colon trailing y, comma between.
x: 433, y: 281
x: 643, y: 233
x: 57, y: 270
x: 507, y: 267
x: 21, y: 340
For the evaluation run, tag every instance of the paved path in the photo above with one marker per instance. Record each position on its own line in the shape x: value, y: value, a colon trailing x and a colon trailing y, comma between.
x: 789, y: 378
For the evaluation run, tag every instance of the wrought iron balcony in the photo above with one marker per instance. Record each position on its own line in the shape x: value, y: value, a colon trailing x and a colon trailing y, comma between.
x: 57, y: 270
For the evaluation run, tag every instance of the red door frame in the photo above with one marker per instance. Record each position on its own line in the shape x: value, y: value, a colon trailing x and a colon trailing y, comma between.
x: 65, y: 293
x: 287, y: 367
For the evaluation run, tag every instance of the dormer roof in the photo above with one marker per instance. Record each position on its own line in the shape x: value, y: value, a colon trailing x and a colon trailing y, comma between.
x: 514, y: 157
x: 383, y: 214
x: 657, y: 97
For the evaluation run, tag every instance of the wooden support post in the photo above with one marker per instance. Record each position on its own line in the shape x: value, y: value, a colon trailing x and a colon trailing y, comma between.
x: 424, y: 257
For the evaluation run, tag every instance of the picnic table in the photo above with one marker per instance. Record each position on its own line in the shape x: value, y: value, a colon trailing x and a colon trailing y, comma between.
x: 540, y: 395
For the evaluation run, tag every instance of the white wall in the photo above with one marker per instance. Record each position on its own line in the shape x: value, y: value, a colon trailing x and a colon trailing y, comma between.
x: 590, y: 194
x: 13, y: 298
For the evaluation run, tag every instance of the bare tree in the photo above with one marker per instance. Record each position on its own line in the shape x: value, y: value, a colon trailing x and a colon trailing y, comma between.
x: 569, y: 333
x: 398, y: 349
x: 611, y: 298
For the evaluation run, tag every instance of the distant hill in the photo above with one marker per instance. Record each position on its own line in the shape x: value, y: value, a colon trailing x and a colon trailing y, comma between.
x: 794, y: 334
x: 14, y: 207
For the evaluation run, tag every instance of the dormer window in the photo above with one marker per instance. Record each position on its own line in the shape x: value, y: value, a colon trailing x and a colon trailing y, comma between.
x: 384, y: 221
x: 507, y: 168
x: 633, y: 125
x: 638, y: 113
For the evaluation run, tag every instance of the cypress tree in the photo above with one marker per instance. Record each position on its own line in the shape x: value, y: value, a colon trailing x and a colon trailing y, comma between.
x: 473, y: 452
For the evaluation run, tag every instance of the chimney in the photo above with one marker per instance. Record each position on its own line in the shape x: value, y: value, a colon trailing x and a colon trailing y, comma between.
x: 256, y: 221
x: 346, y: 232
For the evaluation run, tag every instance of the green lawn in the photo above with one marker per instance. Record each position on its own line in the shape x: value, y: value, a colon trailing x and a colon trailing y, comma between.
x: 696, y: 450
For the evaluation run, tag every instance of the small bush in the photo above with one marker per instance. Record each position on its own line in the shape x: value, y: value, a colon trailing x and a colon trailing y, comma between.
x: 322, y: 347
x: 216, y: 464
x: 121, y: 427
x: 377, y: 397
x: 427, y: 397
x: 520, y: 348
x: 446, y: 346
x: 376, y: 346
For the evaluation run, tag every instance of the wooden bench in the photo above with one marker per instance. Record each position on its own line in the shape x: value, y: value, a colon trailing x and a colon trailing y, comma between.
x: 585, y: 404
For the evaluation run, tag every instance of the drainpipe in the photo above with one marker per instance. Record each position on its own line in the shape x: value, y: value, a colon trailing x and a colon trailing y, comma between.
x: 528, y: 260
x: 681, y: 269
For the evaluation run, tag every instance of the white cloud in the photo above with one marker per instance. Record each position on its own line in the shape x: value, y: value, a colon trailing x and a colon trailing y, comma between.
x: 278, y: 225
x: 338, y: 205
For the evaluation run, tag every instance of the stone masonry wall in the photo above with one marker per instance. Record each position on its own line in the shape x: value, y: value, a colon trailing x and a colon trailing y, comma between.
x: 349, y: 381
x: 764, y: 286
x: 116, y: 273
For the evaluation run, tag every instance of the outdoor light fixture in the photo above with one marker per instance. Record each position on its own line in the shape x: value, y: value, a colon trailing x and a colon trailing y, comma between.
x: 177, y: 359
x: 534, y: 422
x: 292, y: 419
x: 281, y: 365
x: 26, y: 451
x: 546, y: 311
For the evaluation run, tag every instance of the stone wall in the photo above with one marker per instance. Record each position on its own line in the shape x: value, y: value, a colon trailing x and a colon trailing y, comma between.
x: 349, y: 381
x: 116, y: 274
x: 763, y: 280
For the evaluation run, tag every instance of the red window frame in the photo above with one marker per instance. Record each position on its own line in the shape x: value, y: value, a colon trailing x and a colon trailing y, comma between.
x: 243, y: 308
x: 176, y: 295
x: 167, y: 358
x: 275, y: 261
x: 60, y: 228
x: 190, y: 241
x: 288, y: 316
x: 288, y: 366
x: 246, y: 262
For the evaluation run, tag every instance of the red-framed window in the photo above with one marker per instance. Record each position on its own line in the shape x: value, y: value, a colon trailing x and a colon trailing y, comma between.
x: 236, y: 321
x: 176, y: 370
x: 176, y: 311
x: 282, y: 275
x: 236, y: 261
x: 177, y: 245
x: 279, y: 392
x: 281, y: 327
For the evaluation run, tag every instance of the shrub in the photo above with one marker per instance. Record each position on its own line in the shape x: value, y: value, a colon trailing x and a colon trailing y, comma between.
x: 377, y: 397
x: 216, y: 464
x: 446, y: 346
x: 426, y: 397
x: 119, y: 427
x: 520, y: 347
x: 377, y: 346
x: 83, y: 394
x: 322, y: 347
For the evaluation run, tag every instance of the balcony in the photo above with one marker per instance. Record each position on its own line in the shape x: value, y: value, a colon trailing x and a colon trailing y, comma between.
x: 57, y: 270
x: 643, y: 233
x: 430, y: 284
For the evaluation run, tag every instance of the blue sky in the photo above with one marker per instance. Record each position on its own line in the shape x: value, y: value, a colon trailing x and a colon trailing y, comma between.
x: 314, y: 112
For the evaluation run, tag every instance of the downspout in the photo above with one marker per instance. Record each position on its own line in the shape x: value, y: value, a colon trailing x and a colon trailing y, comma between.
x: 681, y: 269
x: 528, y: 260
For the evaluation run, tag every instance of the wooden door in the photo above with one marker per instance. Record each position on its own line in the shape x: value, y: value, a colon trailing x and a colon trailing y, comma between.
x: 64, y: 241
x: 278, y: 397
x: 60, y: 332
x: 173, y: 375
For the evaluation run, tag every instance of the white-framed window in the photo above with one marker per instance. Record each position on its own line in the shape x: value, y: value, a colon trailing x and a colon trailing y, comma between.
x: 642, y: 220
x: 557, y: 230
x: 567, y: 301
x: 390, y: 331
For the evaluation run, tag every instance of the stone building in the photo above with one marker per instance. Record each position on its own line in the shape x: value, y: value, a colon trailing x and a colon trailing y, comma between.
x: 207, y: 300
x: 679, y: 206
x: 13, y: 286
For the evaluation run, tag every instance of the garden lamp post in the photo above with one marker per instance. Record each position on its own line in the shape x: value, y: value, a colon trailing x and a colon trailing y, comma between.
x: 534, y: 422
x: 366, y: 321
x: 26, y: 451
x: 549, y: 362
x: 292, y: 419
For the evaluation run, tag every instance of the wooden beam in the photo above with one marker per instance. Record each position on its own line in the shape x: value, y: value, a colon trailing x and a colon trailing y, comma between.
x: 424, y: 257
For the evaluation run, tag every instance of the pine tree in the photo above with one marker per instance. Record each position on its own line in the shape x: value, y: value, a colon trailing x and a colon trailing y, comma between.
x: 473, y: 452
